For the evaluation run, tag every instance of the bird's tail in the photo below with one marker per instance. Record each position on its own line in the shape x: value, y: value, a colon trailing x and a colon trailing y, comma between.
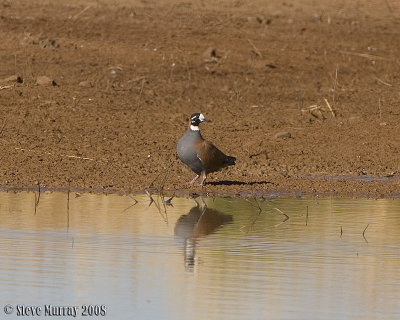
x: 230, y: 161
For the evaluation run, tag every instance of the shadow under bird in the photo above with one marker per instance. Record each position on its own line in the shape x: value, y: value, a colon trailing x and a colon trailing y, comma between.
x: 198, y: 154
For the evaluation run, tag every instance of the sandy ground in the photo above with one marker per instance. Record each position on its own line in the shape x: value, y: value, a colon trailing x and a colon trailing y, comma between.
x: 95, y: 95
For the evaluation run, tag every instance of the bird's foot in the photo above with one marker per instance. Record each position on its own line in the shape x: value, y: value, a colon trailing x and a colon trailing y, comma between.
x: 202, y: 183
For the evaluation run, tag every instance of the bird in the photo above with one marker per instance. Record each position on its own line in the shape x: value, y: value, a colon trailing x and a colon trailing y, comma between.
x: 198, y: 154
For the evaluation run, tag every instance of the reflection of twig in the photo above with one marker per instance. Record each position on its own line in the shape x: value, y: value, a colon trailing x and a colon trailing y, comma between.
x: 130, y: 205
x: 341, y: 231
x: 150, y: 197
x: 257, y: 216
x: 257, y: 204
x: 168, y: 202
x: 307, y: 217
x: 284, y: 220
x: 165, y: 218
x: 253, y: 222
x: 160, y: 190
x: 364, y: 233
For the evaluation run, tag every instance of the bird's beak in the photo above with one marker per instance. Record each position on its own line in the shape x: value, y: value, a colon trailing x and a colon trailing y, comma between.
x: 205, y: 120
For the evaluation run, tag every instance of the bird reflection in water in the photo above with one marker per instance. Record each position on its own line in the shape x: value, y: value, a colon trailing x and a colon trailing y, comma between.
x: 199, y: 222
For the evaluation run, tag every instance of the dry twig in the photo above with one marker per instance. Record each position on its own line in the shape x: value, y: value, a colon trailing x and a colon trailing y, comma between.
x: 329, y: 107
x: 79, y: 13
x: 365, y: 55
x: 255, y: 49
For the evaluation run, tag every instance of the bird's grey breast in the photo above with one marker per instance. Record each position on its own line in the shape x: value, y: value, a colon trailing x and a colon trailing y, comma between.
x: 187, y: 152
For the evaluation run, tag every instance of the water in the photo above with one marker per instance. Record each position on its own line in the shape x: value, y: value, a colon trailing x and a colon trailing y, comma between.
x: 237, y: 259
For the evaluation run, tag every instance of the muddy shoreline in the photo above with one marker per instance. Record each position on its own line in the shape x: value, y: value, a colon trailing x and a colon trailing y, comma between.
x: 95, y: 97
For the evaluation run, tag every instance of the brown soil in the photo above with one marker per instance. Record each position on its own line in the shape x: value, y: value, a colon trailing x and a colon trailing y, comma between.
x: 120, y: 81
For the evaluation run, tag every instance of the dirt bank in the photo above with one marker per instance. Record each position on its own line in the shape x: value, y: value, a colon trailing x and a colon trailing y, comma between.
x: 296, y: 91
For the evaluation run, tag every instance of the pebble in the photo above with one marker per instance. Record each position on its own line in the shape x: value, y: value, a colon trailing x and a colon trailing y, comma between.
x: 283, y: 135
x: 45, y: 81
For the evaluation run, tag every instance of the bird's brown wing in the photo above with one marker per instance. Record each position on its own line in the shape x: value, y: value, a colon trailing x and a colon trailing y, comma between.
x: 211, y: 157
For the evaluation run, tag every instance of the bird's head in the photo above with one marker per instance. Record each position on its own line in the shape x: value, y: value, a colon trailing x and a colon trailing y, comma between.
x: 196, y: 119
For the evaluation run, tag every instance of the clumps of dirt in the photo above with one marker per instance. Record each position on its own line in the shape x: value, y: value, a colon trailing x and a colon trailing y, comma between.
x: 318, y: 112
x: 97, y: 96
x: 40, y: 40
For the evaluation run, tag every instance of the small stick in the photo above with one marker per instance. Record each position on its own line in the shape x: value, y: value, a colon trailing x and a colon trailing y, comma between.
x: 383, y: 82
x: 379, y: 106
x: 76, y: 157
x: 141, y: 89
x: 334, y: 85
x: 255, y: 49
x: 364, y: 233
x: 365, y: 55
x: 341, y: 231
x: 79, y: 13
x: 52, y: 154
x: 2, y: 127
x: 329, y: 106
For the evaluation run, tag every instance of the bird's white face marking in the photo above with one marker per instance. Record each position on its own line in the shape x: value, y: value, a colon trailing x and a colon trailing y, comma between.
x: 194, y: 128
x: 201, y: 117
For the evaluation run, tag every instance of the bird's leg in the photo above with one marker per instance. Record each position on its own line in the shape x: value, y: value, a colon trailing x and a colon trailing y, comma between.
x: 195, y: 178
x: 204, y: 179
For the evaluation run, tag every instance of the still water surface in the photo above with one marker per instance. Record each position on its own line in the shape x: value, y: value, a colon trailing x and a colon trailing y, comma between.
x: 287, y: 258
